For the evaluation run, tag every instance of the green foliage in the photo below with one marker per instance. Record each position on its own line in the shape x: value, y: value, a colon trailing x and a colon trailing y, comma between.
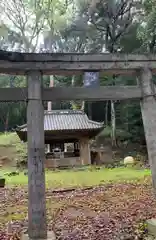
x: 147, y: 27
x: 121, y: 134
x: 13, y: 144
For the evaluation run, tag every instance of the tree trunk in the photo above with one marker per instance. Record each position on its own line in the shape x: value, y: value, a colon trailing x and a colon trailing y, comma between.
x: 113, y: 124
x: 51, y: 84
x: 113, y: 119
x: 127, y: 123
x: 90, y: 110
x: 106, y: 113
x: 76, y: 104
x: 83, y: 105
x: 73, y: 81
x: 7, y: 122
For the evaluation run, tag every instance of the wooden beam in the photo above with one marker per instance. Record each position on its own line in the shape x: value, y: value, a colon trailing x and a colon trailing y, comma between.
x: 121, y: 72
x: 37, y: 225
x: 20, y: 68
x: 148, y: 109
x: 62, y: 63
x: 74, y: 93
x: 13, y: 94
x: 91, y: 94
x: 73, y: 57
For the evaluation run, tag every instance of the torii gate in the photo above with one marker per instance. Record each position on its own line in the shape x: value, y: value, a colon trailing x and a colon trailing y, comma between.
x: 34, y: 66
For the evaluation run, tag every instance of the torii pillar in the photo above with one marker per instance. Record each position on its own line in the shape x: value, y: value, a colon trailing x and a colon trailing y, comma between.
x: 37, y: 223
x: 148, y: 109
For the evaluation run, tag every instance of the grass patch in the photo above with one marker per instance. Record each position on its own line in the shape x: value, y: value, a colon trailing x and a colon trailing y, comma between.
x: 8, y: 139
x: 12, y: 147
x: 67, y: 179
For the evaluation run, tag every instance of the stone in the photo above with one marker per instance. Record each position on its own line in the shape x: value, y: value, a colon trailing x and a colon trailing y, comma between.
x: 151, y: 226
x: 51, y: 236
x: 129, y: 160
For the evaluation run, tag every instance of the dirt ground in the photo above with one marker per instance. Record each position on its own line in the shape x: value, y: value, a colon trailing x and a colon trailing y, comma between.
x: 108, y: 212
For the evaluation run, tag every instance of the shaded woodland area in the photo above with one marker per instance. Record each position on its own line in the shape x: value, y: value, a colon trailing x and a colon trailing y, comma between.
x: 124, y: 26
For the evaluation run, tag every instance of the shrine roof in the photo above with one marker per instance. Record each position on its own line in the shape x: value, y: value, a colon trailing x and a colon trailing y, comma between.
x: 64, y: 121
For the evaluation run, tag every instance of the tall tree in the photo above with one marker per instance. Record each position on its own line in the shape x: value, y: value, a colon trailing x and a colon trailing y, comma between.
x: 111, y: 22
x: 147, y: 28
x: 113, y: 18
x: 26, y: 18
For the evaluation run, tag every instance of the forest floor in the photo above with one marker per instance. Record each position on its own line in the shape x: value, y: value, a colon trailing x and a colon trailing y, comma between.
x: 116, y: 209
x: 101, y: 204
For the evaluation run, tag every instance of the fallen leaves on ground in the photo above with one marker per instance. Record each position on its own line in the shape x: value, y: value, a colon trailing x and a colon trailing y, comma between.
x: 113, y: 211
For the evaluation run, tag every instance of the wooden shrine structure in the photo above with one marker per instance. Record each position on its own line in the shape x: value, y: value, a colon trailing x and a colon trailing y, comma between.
x: 62, y: 127
x: 34, y: 66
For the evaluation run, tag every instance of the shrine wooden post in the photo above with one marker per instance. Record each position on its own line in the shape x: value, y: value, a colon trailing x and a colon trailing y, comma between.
x: 148, y: 109
x: 37, y: 225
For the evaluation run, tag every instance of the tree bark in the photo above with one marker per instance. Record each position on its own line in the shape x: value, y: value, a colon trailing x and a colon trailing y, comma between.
x: 7, y: 121
x: 106, y: 113
x: 113, y: 123
x: 51, y: 84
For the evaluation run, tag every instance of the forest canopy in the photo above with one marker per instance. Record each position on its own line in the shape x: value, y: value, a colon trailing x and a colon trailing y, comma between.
x: 124, y: 26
